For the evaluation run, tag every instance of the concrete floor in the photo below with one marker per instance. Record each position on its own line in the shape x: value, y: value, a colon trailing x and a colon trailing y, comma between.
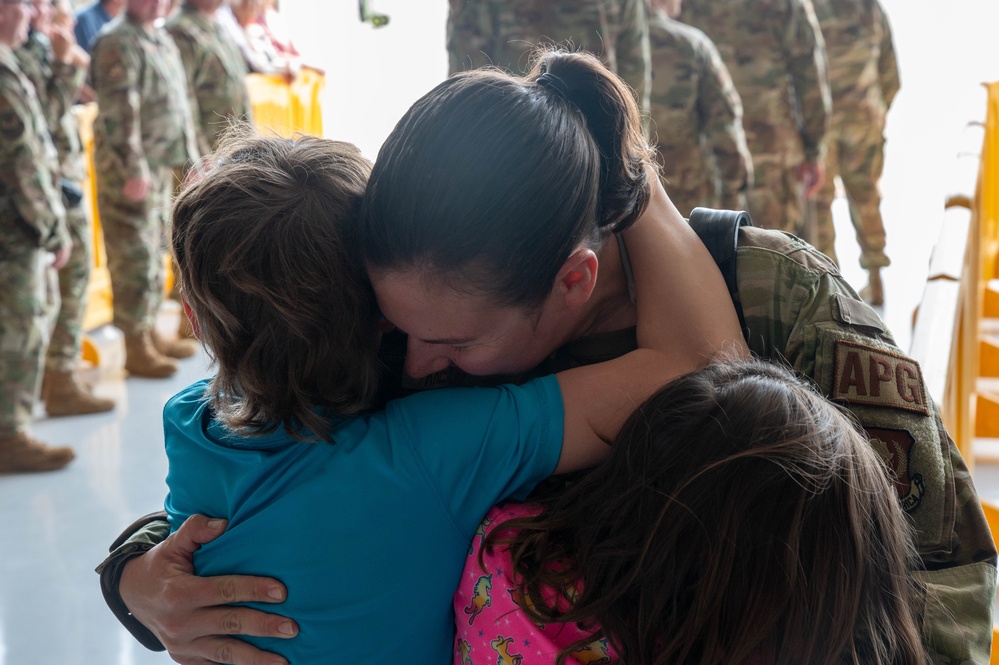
x: 56, y: 526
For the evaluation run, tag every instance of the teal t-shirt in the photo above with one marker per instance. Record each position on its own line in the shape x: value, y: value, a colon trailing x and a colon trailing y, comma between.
x: 369, y: 534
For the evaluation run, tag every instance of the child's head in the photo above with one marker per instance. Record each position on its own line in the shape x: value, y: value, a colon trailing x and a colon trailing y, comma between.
x: 277, y: 289
x: 740, y: 516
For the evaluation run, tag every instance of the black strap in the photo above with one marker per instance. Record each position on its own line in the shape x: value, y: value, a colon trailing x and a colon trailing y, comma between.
x: 719, y: 231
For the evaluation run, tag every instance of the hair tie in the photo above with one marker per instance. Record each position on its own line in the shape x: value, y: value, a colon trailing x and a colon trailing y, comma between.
x: 553, y: 84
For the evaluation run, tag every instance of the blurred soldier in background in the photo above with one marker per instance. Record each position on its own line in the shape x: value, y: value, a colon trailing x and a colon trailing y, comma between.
x: 863, y: 76
x: 773, y: 50
x: 144, y: 129
x: 696, y: 117
x: 216, y: 70
x: 56, y: 67
x: 504, y: 33
x: 32, y: 224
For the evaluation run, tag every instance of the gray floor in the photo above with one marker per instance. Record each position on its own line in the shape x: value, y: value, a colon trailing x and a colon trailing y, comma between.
x: 56, y: 526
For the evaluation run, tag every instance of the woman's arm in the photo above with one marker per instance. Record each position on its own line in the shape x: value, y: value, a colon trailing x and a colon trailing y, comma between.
x: 685, y: 319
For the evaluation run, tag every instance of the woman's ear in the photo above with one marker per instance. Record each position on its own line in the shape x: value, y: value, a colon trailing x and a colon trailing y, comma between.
x: 192, y: 317
x: 578, y: 277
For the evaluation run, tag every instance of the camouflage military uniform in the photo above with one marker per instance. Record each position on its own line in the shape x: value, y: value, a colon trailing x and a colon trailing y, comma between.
x: 773, y: 50
x: 818, y: 324
x: 863, y: 77
x: 216, y: 73
x: 57, y: 84
x: 503, y: 33
x: 696, y: 119
x: 32, y: 222
x: 144, y: 128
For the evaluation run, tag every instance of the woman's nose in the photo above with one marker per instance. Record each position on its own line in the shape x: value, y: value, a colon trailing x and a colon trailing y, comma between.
x: 424, y: 359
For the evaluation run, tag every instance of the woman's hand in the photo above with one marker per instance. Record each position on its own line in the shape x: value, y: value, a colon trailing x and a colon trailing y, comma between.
x: 192, y: 616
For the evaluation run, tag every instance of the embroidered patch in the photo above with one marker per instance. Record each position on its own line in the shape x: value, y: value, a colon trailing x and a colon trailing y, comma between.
x: 895, y: 447
x: 873, y: 376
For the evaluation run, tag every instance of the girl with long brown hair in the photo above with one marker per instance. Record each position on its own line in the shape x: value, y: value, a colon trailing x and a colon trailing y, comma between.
x: 741, y: 518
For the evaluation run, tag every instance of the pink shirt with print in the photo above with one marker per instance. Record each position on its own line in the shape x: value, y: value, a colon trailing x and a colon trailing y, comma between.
x: 491, y: 628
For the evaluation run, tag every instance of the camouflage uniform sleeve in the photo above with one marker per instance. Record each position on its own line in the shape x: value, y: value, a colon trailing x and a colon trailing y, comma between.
x: 192, y: 57
x: 887, y: 65
x: 632, y: 51
x: 720, y: 111
x: 64, y: 86
x: 26, y: 169
x: 798, y: 308
x: 804, y: 52
x: 114, y: 70
x: 140, y: 537
x: 469, y: 35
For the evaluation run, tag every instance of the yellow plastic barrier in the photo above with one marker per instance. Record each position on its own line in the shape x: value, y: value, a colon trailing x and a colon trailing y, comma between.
x: 279, y: 107
x: 99, y: 310
x: 988, y: 191
x: 986, y: 404
x: 956, y: 334
x: 284, y: 108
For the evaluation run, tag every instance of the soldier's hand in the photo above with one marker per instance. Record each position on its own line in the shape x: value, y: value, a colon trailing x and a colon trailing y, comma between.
x: 192, y: 615
x: 62, y: 255
x: 136, y: 189
x: 811, y: 175
x: 86, y: 94
x: 62, y: 41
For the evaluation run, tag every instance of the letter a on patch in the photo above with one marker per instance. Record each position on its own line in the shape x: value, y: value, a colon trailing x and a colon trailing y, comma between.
x: 876, y: 377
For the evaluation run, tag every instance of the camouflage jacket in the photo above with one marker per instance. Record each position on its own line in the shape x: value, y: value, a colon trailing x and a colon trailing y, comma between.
x: 144, y: 118
x: 57, y: 84
x: 774, y: 51
x: 693, y: 101
x: 503, y: 33
x: 216, y: 73
x: 863, y: 72
x: 31, y: 210
x: 799, y: 309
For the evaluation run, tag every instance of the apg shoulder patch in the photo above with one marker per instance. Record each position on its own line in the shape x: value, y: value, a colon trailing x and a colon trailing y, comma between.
x: 895, y: 448
x: 877, y: 377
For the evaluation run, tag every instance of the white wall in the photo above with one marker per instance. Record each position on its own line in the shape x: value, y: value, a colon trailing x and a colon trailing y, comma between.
x: 373, y: 74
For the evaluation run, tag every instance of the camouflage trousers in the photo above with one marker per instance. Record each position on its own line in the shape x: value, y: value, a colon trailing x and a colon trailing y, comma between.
x: 135, y: 237
x: 25, y: 303
x: 74, y: 279
x: 856, y: 154
x: 774, y: 200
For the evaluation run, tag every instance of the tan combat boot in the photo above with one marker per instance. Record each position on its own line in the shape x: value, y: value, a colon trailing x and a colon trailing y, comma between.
x: 142, y: 358
x: 874, y: 293
x: 65, y: 395
x: 183, y: 347
x: 21, y: 453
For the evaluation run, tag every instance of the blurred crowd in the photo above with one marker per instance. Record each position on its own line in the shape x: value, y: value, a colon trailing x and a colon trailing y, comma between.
x: 167, y: 82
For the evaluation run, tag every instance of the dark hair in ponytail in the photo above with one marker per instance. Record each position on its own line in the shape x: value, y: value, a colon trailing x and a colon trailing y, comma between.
x: 491, y: 181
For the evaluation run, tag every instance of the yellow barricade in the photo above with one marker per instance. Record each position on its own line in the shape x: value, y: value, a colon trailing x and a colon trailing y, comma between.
x: 284, y: 108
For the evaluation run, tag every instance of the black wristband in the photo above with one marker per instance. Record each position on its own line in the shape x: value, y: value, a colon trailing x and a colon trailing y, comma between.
x: 110, y: 571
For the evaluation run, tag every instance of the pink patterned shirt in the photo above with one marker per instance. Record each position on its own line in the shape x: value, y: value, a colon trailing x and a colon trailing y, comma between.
x: 492, y: 629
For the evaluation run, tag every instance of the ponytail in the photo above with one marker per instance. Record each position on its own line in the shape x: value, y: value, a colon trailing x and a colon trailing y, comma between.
x: 491, y: 181
x: 612, y: 117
